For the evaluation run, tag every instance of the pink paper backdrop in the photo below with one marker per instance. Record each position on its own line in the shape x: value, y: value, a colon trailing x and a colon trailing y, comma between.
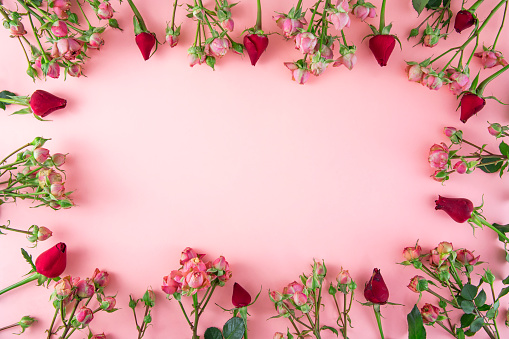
x: 245, y: 163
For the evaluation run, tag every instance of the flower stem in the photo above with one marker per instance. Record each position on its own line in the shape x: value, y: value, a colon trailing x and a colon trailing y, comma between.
x: 173, y: 15
x: 137, y: 15
x: 313, y: 16
x: 258, y: 26
x: 445, y: 328
x: 476, y: 217
x: 50, y: 330
x: 376, y: 309
x: 185, y: 314
x: 68, y: 326
x: 84, y: 15
x: 501, y: 26
x: 382, y: 17
x: 28, y: 279
x: 9, y: 326
x: 4, y: 227
x: 483, y: 84
x: 14, y: 152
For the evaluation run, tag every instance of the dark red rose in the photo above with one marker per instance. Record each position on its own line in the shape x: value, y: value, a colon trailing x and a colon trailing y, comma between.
x: 470, y: 105
x: 459, y: 209
x: 43, y: 103
x: 51, y: 263
x: 145, y: 42
x: 375, y: 290
x: 382, y: 46
x: 240, y: 296
x: 464, y: 19
x: 255, y: 46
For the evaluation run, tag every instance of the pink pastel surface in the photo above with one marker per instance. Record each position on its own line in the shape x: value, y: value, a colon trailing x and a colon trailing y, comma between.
x: 245, y: 163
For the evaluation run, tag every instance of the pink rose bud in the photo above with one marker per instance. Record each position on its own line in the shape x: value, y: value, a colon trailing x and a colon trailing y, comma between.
x: 326, y: 52
x: 464, y: 19
x: 293, y: 288
x: 363, y: 12
x: 218, y: 47
x: 290, y: 27
x: 100, y: 278
x: 466, y: 257
x: 459, y: 209
x: 187, y: 254
x: 255, y: 46
x: 59, y: 28
x: 17, y: 30
x: 449, y: 131
x: 300, y: 75
x: 197, y: 279
x: 99, y: 336
x: 44, y: 233
x: 146, y: 42
x: 431, y: 40
x: 57, y: 190
x: 53, y: 70
x: 95, y: 41
x: 104, y: 11
x: 62, y: 4
x: 75, y: 70
x: 173, y: 283
x: 470, y: 104
x: 63, y: 288
x: 349, y: 60
x: 240, y: 297
x: 490, y: 58
x: 68, y: 48
x: 317, y: 67
x: 414, y: 282
x: 61, y: 14
x: 343, y: 277
x: 305, y: 42
x: 85, y: 288
x: 278, y: 335
x: 414, y: 72
x: 275, y: 296
x: 227, y: 24
x: 432, y: 81
x: 84, y: 315
x: 495, y: 129
x: 382, y: 46
x: 108, y: 304
x: 41, y: 154
x: 429, y: 313
x: 438, y: 156
x: 460, y: 167
x: 412, y: 253
x: 299, y: 298
x: 172, y: 40
x: 26, y: 322
x: 444, y: 249
x: 43, y: 103
x: 339, y: 20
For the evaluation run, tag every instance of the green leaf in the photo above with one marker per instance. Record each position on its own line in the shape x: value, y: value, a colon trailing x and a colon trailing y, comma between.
x: 492, y: 313
x: 504, y: 149
x: 213, y: 333
x: 234, y: 328
x: 469, y: 292
x: 419, y: 5
x: 23, y: 111
x: 467, y: 306
x: 73, y: 18
x: 467, y: 319
x: 460, y: 334
x: 5, y: 95
x: 476, y: 325
x: 503, y: 229
x: 433, y: 4
x: 504, y: 291
x: 413, y: 32
x: 506, y: 280
x: 332, y: 329
x: 480, y: 299
x: 416, y: 328
x: 492, y: 167
x: 28, y: 258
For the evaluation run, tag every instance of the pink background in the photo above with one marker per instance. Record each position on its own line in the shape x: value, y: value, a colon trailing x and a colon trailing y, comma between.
x: 245, y: 163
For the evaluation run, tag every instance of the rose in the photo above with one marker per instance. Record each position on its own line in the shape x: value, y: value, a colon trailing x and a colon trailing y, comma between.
x: 218, y: 47
x: 470, y: 104
x: 412, y: 253
x: 429, y: 313
x: 100, y: 278
x: 63, y: 288
x: 343, y: 277
x: 240, y: 297
x: 349, y: 60
x: 95, y: 41
x: 305, y: 42
x: 466, y: 257
x: 381, y: 46
x: 43, y: 103
x: 459, y: 209
x: 414, y: 282
x: 59, y: 28
x: 255, y: 45
x: 108, y: 304
x: 85, y: 288
x: 464, y: 19
x: 84, y: 316
x: 105, y: 11
x: 438, y: 156
x: 51, y: 263
x: 145, y: 41
x: 491, y: 58
x: 375, y: 289
x: 172, y: 283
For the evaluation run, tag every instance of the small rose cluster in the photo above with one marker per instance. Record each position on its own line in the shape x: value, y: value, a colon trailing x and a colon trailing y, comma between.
x: 76, y: 294
x: 301, y: 302
x: 66, y: 41
x: 450, y: 279
x: 457, y: 79
x: 194, y: 276
x: 35, y: 174
x: 315, y: 41
x: 439, y: 28
x: 445, y: 160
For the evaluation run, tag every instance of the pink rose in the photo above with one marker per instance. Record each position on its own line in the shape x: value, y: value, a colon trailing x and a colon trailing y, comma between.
x: 305, y: 42
x: 438, y: 156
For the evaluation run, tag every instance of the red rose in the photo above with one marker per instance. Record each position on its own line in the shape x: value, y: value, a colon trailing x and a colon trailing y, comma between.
x: 459, y: 209
x: 375, y: 290
x: 43, y: 103
x: 464, y: 19
x: 382, y: 46
x: 145, y: 42
x: 470, y: 105
x: 240, y: 297
x: 51, y: 263
x: 255, y: 46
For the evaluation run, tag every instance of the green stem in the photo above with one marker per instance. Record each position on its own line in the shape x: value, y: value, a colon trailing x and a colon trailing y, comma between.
x: 84, y: 15
x: 501, y: 26
x: 442, y: 298
x: 29, y: 10
x: 50, y: 330
x: 28, y: 279
x: 473, y: 51
x: 299, y: 4
x: 475, y: 5
x: 4, y: 13
x: 13, y: 164
x: 173, y: 15
x: 185, y: 314
x: 494, y: 300
x: 258, y: 26
x: 9, y: 326
x: 345, y: 314
x: 474, y: 145
x: 482, y: 85
x: 208, y: 299
x: 14, y: 152
x: 382, y: 17
x: 445, y: 328
x: 296, y: 329
x: 476, y: 217
x: 14, y: 230
x: 196, y: 316
x: 45, y: 57
x: 376, y: 309
x: 313, y: 16
x: 68, y: 326
x: 137, y: 15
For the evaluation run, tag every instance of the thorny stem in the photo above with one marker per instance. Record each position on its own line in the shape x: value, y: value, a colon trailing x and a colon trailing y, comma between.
x: 68, y: 326
x: 50, y: 330
x: 448, y: 319
x: 37, y: 38
x: 382, y: 17
x: 296, y: 319
x: 476, y: 217
x: 14, y: 152
x: 28, y: 279
x: 501, y: 26
x: 445, y: 328
x: 494, y: 300
x: 295, y: 327
x: 442, y: 298
x: 483, y: 84
x: 9, y: 326
x: 313, y: 16
x: 474, y: 145
x: 24, y: 51
x: 84, y: 15
x: 4, y: 227
x: 138, y: 15
x: 185, y: 314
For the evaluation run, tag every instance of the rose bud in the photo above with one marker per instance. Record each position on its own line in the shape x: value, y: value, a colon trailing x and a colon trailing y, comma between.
x: 490, y: 58
x: 290, y: 27
x: 26, y: 321
x: 470, y: 104
x: 293, y: 288
x: 51, y: 263
x: 460, y: 167
x: 75, y: 71
x: 459, y: 209
x: 464, y: 19
x: 43, y: 103
x: 95, y: 41
x: 300, y: 75
x: 299, y: 298
x: 64, y: 5
x: 412, y: 253
x: 414, y: 72
x: 363, y: 12
x: 228, y: 24
x: 53, y: 70
x: 187, y: 254
x: 104, y: 11
x: 382, y: 46
x: 59, y: 28
x: 318, y: 66
x: 100, y: 278
x: 17, y: 30
x: 449, y: 131
x: 145, y: 41
x: 108, y: 303
x: 240, y: 297
x: 218, y: 47
x: 68, y: 48
x: 275, y: 296
x: 305, y: 42
x: 41, y: 154
x: 432, y: 81
x: 466, y: 257
x: 429, y: 313
x: 57, y: 190
x: 84, y: 315
x: 278, y: 335
x: 414, y: 282
x: 343, y: 277
x: 431, y: 40
x: 444, y: 249
x: 197, y: 280
x: 173, y: 283
x: 99, y: 336
x: 255, y: 45
x: 438, y: 156
x: 172, y: 39
x: 44, y: 233
x: 495, y: 129
x: 85, y: 288
x: 375, y: 289
x: 63, y: 288
x: 349, y: 60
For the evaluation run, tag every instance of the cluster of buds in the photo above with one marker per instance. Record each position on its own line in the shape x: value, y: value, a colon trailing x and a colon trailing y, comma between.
x: 440, y: 19
x: 35, y: 175
x: 316, y: 41
x: 34, y: 233
x: 445, y: 159
x: 76, y: 294
x: 66, y: 41
x: 149, y: 301
x: 193, y: 276
x: 448, y: 276
x: 457, y: 79
x: 301, y: 302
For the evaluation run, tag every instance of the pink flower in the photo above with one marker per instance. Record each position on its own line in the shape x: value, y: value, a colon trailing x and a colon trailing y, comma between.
x: 84, y: 316
x: 104, y: 11
x: 490, y: 58
x: 196, y: 280
x: 432, y: 81
x: 414, y: 282
x: 363, y: 12
x: 339, y: 20
x: 434, y: 258
x: 449, y: 131
x: 40, y: 154
x: 318, y: 66
x: 53, y: 70
x: 305, y: 42
x: 466, y: 257
x: 75, y: 71
x: 343, y: 277
x: 228, y: 24
x: 99, y: 336
x: 173, y: 283
x: 17, y: 30
x: 349, y: 60
x: 95, y: 41
x: 196, y: 58
x: 290, y: 27
x: 172, y: 39
x: 59, y: 28
x: 299, y: 74
x: 459, y: 81
x: 429, y: 313
x: 444, y: 249
x: 62, y: 4
x: 218, y: 47
x: 108, y: 303
x: 326, y: 52
x: 412, y: 253
x: 293, y: 288
x: 85, y: 288
x: 187, y: 254
x: 194, y: 264
x: 414, y: 72
x: 278, y: 335
x: 275, y: 296
x: 100, y: 278
x: 63, y: 287
x: 68, y: 48
x: 44, y: 233
x: 438, y: 156
x: 460, y: 167
x: 57, y: 190
x: 299, y: 298
x: 220, y: 264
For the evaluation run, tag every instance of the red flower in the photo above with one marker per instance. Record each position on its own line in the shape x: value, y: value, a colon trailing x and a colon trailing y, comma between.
x: 145, y: 42
x: 470, y: 105
x: 464, y: 19
x: 255, y: 45
x: 382, y: 46
x: 51, y: 263
x: 375, y: 290
x: 43, y: 103
x: 240, y: 297
x: 459, y: 209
